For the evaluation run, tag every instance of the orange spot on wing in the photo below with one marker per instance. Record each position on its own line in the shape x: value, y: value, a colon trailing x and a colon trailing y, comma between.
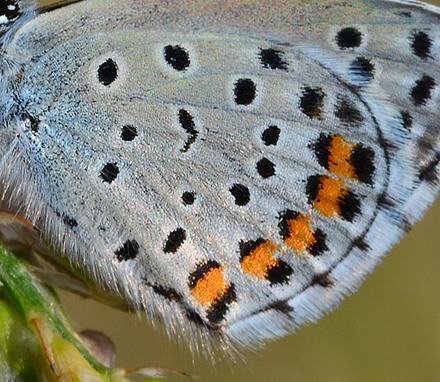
x: 210, y: 288
x: 260, y: 260
x: 339, y: 160
x: 330, y: 193
x: 300, y: 236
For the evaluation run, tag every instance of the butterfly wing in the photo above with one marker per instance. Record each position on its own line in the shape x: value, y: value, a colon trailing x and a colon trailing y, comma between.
x: 234, y: 168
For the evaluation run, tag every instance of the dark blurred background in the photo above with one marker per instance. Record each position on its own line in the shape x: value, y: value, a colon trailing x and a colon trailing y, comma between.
x: 388, y: 331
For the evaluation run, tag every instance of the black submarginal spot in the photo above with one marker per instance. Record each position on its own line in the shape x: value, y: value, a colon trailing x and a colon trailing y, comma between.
x: 71, y: 222
x: 128, y: 251
x: 175, y: 240
x: 246, y: 247
x: 128, y: 133
x: 284, y: 217
x: 321, y: 148
x: 177, y: 57
x: 430, y: 171
x: 312, y: 102
x: 323, y: 280
x: 320, y: 245
x: 202, y: 269
x: 169, y: 293
x: 108, y: 72
x: 245, y: 91
x: 279, y: 273
x: 186, y: 120
x: 271, y: 135
x: 349, y: 38
x: 360, y: 243
x: 363, y: 68
x: 349, y: 206
x: 193, y: 316
x: 362, y: 160
x: 188, y: 198
x: 406, y: 14
x: 421, y: 92
x: 312, y: 187
x: 217, y: 312
x: 109, y: 172
x: 273, y: 59
x: 407, y: 120
x: 241, y: 194
x: 385, y: 203
x: 265, y: 168
x: 281, y: 307
x: 421, y: 44
x: 347, y: 112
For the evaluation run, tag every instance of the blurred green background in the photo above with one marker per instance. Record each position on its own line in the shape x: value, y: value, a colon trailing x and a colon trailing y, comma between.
x: 388, y: 331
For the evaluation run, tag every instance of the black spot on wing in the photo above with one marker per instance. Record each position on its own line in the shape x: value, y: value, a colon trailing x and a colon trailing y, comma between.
x: 108, y: 72
x: 349, y: 38
x: 128, y: 251
x: 177, y: 57
x: 175, y: 239
x: 421, y: 92
x: 273, y: 59
x: 421, y: 45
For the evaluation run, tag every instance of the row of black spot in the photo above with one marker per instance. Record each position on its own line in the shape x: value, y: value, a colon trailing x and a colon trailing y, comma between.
x: 420, y: 42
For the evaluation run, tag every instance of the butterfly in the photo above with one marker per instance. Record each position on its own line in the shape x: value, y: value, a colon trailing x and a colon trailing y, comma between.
x: 232, y: 168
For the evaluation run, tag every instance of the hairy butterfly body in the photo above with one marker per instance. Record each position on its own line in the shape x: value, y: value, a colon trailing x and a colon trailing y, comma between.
x: 232, y: 167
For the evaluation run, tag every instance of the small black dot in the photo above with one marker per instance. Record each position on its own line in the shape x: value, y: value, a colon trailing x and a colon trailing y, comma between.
x: 407, y: 120
x: 349, y: 38
x: 360, y: 243
x: 128, y: 133
x: 188, y: 198
x: 186, y: 120
x: 175, y: 240
x: 169, y: 293
x: 323, y: 280
x: 362, y: 160
x: 194, y: 317
x: 363, y: 68
x: 241, y: 194
x: 72, y: 223
x: 177, y: 57
x: 273, y: 59
x: 128, y: 251
x: 107, y: 72
x: 282, y: 307
x: 421, y: 45
x: 312, y: 102
x: 430, y: 171
x: 265, y: 168
x: 109, y: 172
x: 347, y: 112
x: 271, y: 135
x: 421, y: 92
x: 245, y: 91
